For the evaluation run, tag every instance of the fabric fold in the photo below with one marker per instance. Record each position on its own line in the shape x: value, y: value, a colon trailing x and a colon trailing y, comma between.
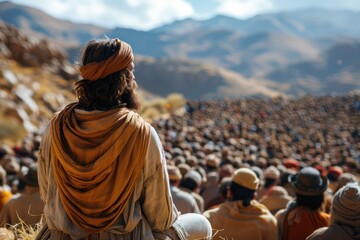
x: 90, y: 154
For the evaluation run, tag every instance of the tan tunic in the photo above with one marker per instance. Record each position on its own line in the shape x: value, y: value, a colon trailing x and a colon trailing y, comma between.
x: 198, y: 198
x: 184, y: 201
x: 26, y: 206
x: 150, y: 209
x: 231, y: 220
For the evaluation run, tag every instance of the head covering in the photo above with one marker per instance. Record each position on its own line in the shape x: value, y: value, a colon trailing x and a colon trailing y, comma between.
x: 195, y: 176
x: 10, y: 164
x: 179, y: 159
x: 320, y: 168
x: 275, y: 199
x: 184, y: 168
x: 192, y: 161
x: 291, y: 163
x: 258, y: 171
x: 174, y: 173
x: 346, y: 205
x: 308, y: 182
x: 29, y: 175
x: 212, y: 161
x: 335, y: 171
x: 6, y: 149
x: 344, y: 179
x: 226, y: 170
x: 272, y: 172
x: 261, y: 162
x: 118, y: 61
x: 245, y: 177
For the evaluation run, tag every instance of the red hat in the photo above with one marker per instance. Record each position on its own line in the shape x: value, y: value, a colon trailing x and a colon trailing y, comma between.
x: 320, y: 168
x: 335, y: 170
x: 291, y: 163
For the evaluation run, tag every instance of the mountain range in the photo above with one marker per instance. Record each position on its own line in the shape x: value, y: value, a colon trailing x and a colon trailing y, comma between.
x: 310, y: 51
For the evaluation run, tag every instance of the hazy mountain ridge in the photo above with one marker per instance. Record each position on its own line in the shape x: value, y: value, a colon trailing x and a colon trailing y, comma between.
x: 310, y: 23
x: 246, y: 54
x: 336, y: 71
x: 36, y: 22
x: 265, y: 49
x: 198, y: 80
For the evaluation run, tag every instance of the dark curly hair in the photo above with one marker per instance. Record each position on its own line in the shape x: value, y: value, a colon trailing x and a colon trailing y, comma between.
x: 107, y: 93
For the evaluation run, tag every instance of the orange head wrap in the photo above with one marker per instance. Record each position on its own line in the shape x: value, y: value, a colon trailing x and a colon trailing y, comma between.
x: 118, y: 61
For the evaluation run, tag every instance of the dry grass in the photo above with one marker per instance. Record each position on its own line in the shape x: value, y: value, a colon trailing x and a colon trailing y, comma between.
x: 11, y: 130
x: 23, y: 231
x: 162, y: 106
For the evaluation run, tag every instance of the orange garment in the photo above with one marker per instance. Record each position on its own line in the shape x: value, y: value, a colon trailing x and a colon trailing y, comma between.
x: 300, y: 222
x: 97, y: 159
x: 4, y: 197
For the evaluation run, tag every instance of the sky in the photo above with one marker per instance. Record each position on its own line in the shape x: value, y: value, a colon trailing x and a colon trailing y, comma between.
x: 148, y: 14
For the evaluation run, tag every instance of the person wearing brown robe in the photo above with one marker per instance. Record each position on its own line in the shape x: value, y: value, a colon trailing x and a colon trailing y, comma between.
x: 102, y: 168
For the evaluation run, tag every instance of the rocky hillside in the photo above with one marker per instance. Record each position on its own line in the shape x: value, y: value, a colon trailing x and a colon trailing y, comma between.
x: 35, y: 81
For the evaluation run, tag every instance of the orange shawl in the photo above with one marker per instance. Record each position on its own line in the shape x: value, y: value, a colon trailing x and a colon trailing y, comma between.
x: 300, y: 222
x: 97, y: 159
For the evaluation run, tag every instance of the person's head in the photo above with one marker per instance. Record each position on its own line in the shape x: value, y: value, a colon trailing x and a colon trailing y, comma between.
x: 243, y: 185
x: 224, y: 186
x: 28, y: 175
x: 108, y: 81
x: 344, y: 179
x: 202, y: 172
x: 174, y: 175
x: 192, y: 181
x: 309, y: 186
x: 272, y: 175
x: 334, y: 172
x: 259, y: 172
x: 346, y: 205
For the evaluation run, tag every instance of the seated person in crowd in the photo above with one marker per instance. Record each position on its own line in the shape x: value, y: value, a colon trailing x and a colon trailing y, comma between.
x: 345, y: 212
x: 242, y: 217
x: 303, y: 216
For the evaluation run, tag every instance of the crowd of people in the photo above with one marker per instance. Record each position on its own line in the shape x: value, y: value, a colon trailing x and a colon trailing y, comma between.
x: 281, y: 168
x: 210, y: 141
x: 276, y: 139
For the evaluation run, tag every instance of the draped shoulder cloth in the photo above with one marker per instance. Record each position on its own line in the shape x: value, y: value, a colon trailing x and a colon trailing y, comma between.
x: 97, y: 159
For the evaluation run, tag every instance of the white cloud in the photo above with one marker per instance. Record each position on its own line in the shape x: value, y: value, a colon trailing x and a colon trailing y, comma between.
x: 157, y: 12
x: 147, y: 14
x: 139, y: 14
x: 244, y: 8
